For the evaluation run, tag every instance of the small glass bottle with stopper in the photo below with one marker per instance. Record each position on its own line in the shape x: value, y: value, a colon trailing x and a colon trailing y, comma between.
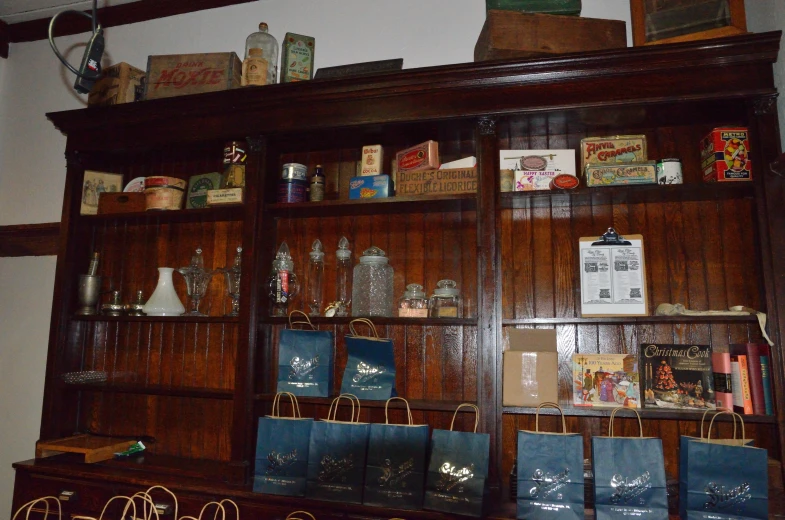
x: 446, y: 300
x: 413, y: 303
x: 315, y: 279
x: 282, y: 285
x: 260, y: 66
x: 343, y: 281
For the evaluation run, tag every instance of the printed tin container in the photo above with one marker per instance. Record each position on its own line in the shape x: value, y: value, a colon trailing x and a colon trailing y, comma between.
x: 294, y: 171
x: 164, y: 193
x: 725, y: 155
x: 669, y: 171
x: 613, y: 150
x: 292, y: 190
x: 621, y: 174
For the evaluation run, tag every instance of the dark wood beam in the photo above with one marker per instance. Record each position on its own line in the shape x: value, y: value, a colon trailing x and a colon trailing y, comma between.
x: 4, y: 39
x: 112, y: 16
x: 30, y: 239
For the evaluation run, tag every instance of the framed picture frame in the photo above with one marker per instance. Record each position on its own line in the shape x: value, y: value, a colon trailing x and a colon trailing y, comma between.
x: 93, y: 185
x: 671, y: 21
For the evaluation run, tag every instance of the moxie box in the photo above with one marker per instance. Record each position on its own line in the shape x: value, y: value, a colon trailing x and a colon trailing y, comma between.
x: 612, y: 150
x: 725, y: 155
x: 621, y: 174
x: 181, y: 74
x: 370, y: 187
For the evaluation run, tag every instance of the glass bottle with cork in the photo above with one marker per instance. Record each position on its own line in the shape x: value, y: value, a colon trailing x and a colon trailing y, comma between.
x: 413, y: 303
x: 317, y: 185
x: 260, y: 66
x: 446, y: 300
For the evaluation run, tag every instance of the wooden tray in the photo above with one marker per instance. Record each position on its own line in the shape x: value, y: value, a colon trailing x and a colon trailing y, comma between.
x: 94, y: 449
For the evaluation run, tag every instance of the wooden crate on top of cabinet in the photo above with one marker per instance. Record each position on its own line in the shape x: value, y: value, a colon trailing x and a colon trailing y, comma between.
x: 198, y: 384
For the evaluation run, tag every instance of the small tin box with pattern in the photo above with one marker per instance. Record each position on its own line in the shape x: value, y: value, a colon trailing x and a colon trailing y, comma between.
x: 725, y: 155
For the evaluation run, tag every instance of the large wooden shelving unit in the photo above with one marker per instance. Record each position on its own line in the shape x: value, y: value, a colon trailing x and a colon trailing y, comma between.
x: 198, y: 385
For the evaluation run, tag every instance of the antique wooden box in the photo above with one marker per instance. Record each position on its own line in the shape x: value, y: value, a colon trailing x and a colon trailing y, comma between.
x: 181, y: 74
x: 117, y: 85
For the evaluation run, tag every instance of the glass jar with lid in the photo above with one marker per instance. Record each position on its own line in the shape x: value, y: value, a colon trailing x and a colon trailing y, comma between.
x: 413, y: 303
x: 372, y: 291
x: 446, y: 300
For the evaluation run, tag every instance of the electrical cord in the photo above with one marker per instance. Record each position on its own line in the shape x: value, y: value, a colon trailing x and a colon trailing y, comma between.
x: 96, y: 27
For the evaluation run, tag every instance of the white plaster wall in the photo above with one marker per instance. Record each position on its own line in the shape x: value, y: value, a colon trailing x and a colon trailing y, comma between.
x: 32, y: 82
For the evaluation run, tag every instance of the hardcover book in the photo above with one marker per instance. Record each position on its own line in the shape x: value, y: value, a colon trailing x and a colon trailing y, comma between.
x: 677, y: 376
x: 605, y: 380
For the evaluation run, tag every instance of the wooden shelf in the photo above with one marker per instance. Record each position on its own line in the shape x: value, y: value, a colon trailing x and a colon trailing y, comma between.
x: 159, y: 319
x: 599, y: 196
x: 637, y: 320
x: 184, y: 215
x: 646, y: 413
x: 170, y: 391
x: 414, y: 404
x: 340, y: 208
x: 422, y: 322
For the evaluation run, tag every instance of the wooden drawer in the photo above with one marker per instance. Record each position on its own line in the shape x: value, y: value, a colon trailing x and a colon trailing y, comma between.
x: 87, y: 499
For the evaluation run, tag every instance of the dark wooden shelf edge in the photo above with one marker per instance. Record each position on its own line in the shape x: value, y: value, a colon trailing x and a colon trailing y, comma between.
x: 414, y: 404
x: 666, y: 320
x: 30, y: 239
x: 158, y: 319
x: 170, y: 391
x: 646, y: 413
x: 620, y: 194
x: 329, y: 208
x: 234, y: 212
x: 377, y: 320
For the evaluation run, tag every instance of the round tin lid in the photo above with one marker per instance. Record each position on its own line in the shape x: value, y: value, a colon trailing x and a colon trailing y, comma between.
x: 135, y: 186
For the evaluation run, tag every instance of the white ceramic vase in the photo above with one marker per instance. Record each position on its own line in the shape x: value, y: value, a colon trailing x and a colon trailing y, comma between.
x: 164, y: 301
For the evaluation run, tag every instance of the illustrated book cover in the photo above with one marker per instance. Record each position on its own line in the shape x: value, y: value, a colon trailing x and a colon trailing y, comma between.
x: 677, y: 376
x: 605, y: 380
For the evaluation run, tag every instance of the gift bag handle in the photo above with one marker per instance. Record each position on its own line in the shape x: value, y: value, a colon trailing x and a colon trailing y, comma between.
x: 218, y: 509
x: 29, y: 506
x: 549, y: 405
x: 718, y: 410
x: 364, y: 321
x: 167, y: 490
x: 613, y: 415
x: 734, y: 414
x: 276, y: 412
x: 146, y: 500
x: 332, y: 413
x: 306, y: 322
x: 236, y: 509
x: 476, y: 415
x: 290, y: 517
x: 408, y: 410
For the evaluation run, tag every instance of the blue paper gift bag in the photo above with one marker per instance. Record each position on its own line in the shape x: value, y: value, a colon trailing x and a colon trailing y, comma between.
x: 629, y: 476
x: 550, y: 473
x: 337, y: 456
x: 282, y: 445
x: 723, y: 481
x: 305, y: 360
x: 370, y: 365
x: 395, y: 471
x: 458, y: 470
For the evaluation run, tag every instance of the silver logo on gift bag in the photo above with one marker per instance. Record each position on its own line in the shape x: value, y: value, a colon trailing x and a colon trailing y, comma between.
x: 393, y: 475
x: 366, y: 372
x: 721, y: 497
x: 452, y: 476
x: 626, y: 489
x: 333, y: 468
x: 302, y: 367
x: 547, y: 484
x: 278, y: 462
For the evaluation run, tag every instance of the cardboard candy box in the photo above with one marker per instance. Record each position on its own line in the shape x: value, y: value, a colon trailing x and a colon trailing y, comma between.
x: 725, y: 155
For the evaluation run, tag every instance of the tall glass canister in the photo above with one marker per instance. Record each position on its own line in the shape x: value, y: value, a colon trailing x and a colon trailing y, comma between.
x: 372, y: 294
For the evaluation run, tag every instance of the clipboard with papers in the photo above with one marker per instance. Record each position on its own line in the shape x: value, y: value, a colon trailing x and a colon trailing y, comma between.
x: 613, y: 276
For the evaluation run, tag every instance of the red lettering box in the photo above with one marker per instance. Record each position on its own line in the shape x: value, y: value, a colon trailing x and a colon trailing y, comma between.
x: 181, y: 74
x: 725, y: 155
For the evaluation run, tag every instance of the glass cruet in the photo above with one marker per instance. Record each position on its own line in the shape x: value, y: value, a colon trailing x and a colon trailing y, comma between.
x: 197, y: 278
x: 232, y: 275
x: 315, y: 278
x: 343, y: 280
x: 414, y: 302
x: 282, y: 285
x: 372, y: 294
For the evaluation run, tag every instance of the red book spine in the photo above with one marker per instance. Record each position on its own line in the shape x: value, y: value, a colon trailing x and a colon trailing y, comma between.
x: 723, y: 388
x: 756, y: 378
x: 742, y: 398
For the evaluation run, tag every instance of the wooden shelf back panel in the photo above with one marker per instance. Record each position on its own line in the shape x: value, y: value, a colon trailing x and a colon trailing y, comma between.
x: 422, y: 248
x: 435, y: 363
x: 181, y: 426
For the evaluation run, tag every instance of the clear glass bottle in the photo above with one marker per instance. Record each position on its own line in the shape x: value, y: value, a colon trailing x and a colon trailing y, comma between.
x: 446, y: 300
x: 316, y: 193
x: 372, y: 294
x: 260, y: 66
x: 413, y: 303
x: 282, y: 285
x: 315, y: 279
x: 343, y: 278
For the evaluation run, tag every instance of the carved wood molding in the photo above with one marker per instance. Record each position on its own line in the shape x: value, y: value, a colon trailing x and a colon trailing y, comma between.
x: 4, y: 39
x: 112, y: 16
x: 765, y: 105
x: 30, y: 239
x: 487, y: 125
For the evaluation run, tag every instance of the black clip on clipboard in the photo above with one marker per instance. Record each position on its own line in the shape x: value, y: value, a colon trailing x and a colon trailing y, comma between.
x: 612, y: 238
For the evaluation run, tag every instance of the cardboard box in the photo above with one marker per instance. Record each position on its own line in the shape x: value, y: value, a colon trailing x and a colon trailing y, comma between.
x: 725, y: 155
x: 431, y: 182
x: 181, y: 74
x: 621, y: 174
x: 508, y: 34
x: 531, y: 368
x: 225, y: 196
x: 424, y: 156
x: 117, y: 85
x: 370, y: 187
x: 535, y: 169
